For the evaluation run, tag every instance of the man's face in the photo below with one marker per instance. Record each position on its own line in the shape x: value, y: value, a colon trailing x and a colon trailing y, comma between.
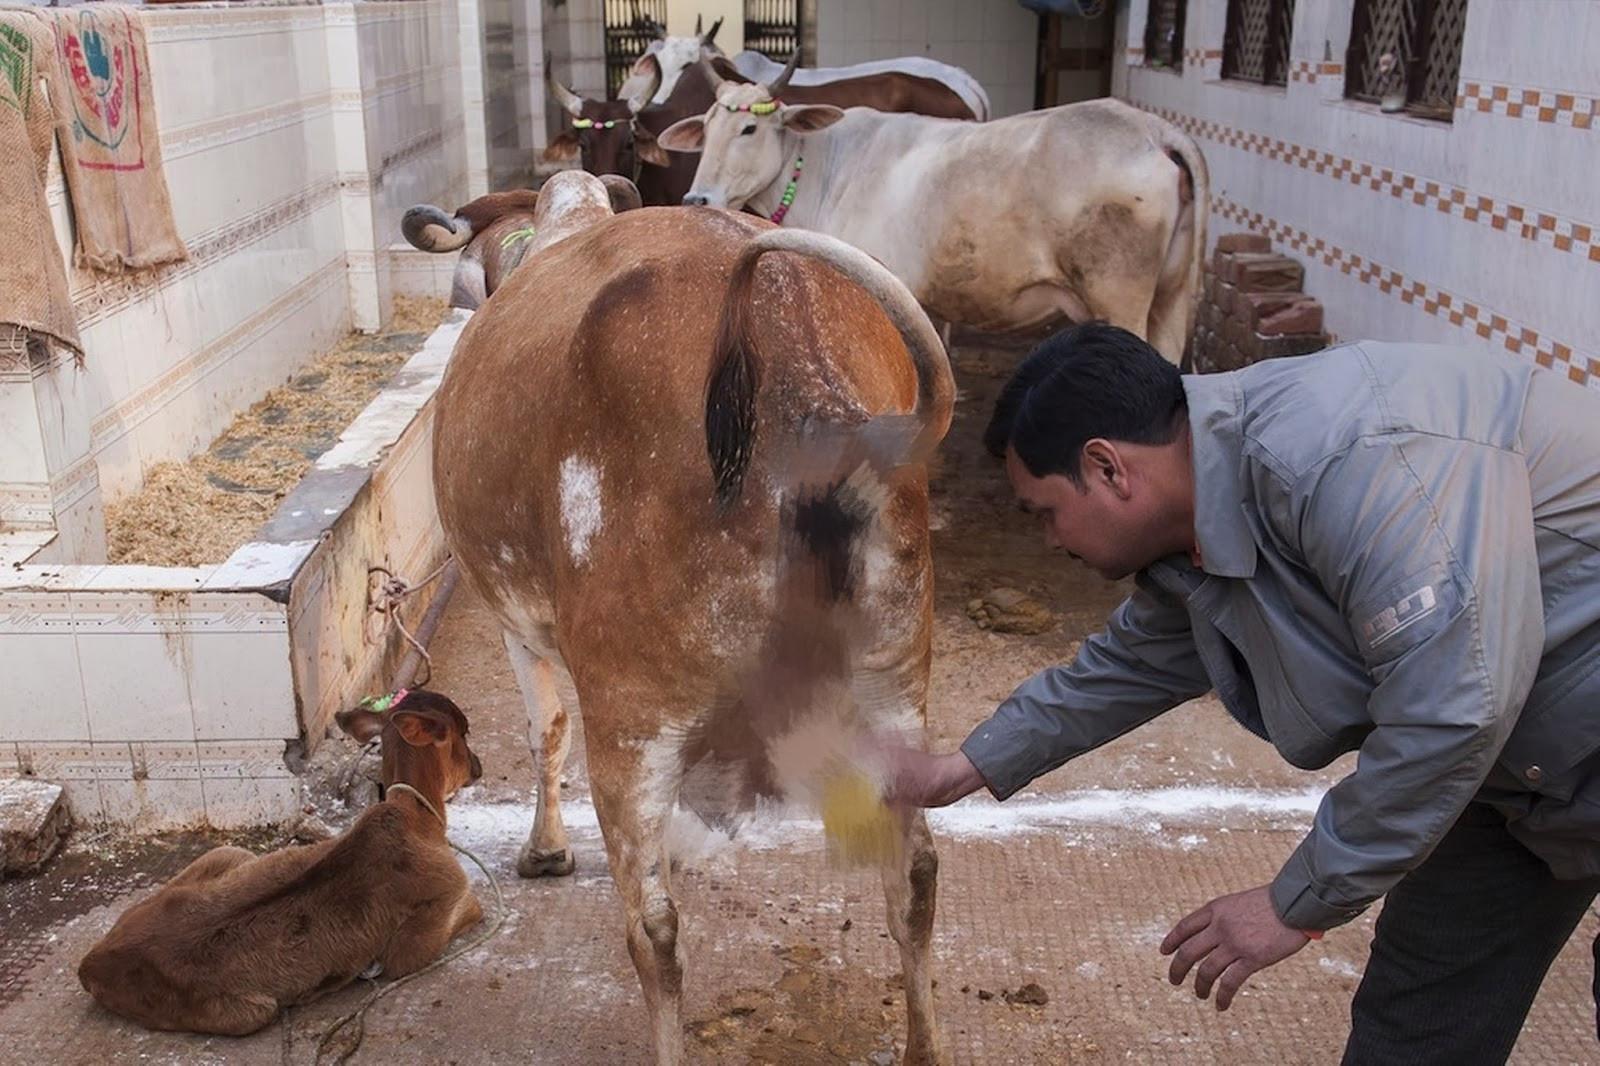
x: 1102, y: 522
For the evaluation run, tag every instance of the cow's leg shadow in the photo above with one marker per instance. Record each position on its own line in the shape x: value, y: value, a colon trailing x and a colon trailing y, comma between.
x: 910, y: 883
x: 547, y: 852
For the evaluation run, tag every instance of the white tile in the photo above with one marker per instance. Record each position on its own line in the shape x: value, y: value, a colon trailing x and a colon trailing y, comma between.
x: 152, y: 805
x: 133, y: 578
x: 170, y: 761
x: 238, y: 804
x: 137, y: 659
x: 21, y: 444
x: 241, y: 686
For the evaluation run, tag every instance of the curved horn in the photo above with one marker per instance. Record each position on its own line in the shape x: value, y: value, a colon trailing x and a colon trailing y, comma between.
x: 699, y: 22
x: 431, y: 230
x: 570, y: 101
x: 711, y: 35
x: 782, y: 81
x: 713, y: 76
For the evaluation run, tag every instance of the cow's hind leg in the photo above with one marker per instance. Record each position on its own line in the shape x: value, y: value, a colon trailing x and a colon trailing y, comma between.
x: 910, y: 883
x: 547, y: 852
x: 634, y: 793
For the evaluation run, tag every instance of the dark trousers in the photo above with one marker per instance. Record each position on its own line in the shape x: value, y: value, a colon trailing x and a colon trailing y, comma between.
x: 1460, y: 949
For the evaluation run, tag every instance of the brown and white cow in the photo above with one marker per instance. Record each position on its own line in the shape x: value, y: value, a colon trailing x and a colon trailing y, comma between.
x: 1087, y: 211
x: 492, y: 233
x: 619, y: 462
x: 236, y: 937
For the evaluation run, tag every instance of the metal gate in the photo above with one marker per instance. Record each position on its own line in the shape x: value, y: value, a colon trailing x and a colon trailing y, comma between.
x: 630, y: 26
x: 772, y: 27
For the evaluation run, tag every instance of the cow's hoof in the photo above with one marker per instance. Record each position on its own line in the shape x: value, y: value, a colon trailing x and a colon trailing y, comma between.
x: 545, y: 863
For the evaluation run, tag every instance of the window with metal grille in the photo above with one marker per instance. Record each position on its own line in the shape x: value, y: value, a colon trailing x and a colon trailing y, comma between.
x: 1406, y: 54
x: 630, y: 26
x: 772, y: 27
x: 1256, y: 45
x: 1163, y: 34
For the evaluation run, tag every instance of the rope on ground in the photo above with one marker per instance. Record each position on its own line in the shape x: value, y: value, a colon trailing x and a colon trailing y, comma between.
x: 359, y: 1015
x: 394, y: 592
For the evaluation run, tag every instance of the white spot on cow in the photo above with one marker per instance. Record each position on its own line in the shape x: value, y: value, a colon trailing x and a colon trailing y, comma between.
x: 581, y: 512
x: 506, y: 554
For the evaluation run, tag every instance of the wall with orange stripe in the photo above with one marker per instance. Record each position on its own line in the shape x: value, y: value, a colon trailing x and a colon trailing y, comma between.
x: 1482, y: 231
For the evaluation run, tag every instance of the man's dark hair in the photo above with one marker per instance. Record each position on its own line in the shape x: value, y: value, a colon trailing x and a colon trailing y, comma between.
x: 1093, y: 380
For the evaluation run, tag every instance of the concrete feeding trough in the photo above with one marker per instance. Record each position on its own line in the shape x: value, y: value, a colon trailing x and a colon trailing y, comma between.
x: 160, y: 697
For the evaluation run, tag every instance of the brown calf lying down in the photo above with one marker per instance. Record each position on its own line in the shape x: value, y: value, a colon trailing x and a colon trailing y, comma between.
x: 236, y: 937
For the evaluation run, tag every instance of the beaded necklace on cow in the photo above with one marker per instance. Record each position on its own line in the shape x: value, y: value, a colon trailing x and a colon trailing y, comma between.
x: 788, y: 191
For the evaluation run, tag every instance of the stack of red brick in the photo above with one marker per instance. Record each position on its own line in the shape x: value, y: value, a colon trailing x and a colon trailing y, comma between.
x: 1253, y: 306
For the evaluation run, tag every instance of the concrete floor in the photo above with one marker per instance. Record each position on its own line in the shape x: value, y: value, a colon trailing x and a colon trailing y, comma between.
x: 1071, y: 886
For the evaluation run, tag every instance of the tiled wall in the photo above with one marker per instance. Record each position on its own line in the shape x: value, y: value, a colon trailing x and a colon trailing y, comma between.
x: 513, y: 41
x: 996, y: 41
x: 1482, y: 231
x: 163, y: 697
x: 293, y: 137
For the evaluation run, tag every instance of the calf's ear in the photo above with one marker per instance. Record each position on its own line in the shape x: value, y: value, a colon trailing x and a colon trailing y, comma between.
x: 421, y: 728
x: 360, y: 724
x: 685, y: 135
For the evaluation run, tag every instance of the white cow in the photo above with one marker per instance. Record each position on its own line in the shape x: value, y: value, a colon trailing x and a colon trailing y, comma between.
x: 676, y: 53
x: 1088, y: 211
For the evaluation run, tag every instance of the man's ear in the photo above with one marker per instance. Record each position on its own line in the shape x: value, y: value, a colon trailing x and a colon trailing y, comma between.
x: 809, y: 118
x: 1103, y: 465
x: 360, y: 724
x: 648, y: 149
x: 563, y: 148
x: 421, y: 728
x: 685, y: 135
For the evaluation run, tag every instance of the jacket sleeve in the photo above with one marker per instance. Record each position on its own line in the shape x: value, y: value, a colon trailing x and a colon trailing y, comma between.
x: 1427, y: 545
x: 1142, y: 664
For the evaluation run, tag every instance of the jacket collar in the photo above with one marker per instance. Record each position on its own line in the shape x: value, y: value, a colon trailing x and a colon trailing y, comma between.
x: 1226, y: 541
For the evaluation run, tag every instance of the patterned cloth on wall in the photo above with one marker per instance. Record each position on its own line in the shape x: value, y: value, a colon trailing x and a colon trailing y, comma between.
x: 110, y: 143
x: 34, y: 298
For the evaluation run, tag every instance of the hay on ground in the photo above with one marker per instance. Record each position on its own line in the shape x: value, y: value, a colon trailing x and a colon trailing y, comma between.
x: 196, y: 513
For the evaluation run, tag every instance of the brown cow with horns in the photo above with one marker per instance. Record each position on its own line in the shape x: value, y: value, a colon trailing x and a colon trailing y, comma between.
x: 617, y: 462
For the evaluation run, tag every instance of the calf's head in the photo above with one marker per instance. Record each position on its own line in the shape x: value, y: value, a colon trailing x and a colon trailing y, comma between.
x: 743, y: 140
x: 424, y: 740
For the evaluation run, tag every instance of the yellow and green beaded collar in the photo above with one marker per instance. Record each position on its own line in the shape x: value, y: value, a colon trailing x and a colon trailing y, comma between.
x: 589, y: 123
x: 760, y: 107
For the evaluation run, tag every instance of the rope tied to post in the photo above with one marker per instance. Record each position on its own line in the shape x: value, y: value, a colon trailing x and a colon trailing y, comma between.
x: 389, y: 597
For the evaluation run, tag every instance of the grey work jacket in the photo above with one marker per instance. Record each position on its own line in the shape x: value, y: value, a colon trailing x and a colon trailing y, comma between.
x: 1400, y: 553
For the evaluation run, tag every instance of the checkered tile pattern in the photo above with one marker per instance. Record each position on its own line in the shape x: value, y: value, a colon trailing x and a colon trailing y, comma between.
x: 1563, y: 234
x: 1516, y: 338
x: 1202, y: 55
x: 1309, y: 70
x: 1540, y: 105
x: 1135, y: 55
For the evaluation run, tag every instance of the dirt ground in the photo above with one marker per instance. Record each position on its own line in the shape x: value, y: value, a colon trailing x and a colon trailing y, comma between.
x: 1070, y: 886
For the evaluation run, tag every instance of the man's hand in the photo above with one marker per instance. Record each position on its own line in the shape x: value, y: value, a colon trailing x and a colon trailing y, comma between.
x: 918, y: 779
x: 1234, y: 936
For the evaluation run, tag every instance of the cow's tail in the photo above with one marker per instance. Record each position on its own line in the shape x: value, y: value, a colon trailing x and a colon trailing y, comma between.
x: 1186, y: 255
x: 731, y: 393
